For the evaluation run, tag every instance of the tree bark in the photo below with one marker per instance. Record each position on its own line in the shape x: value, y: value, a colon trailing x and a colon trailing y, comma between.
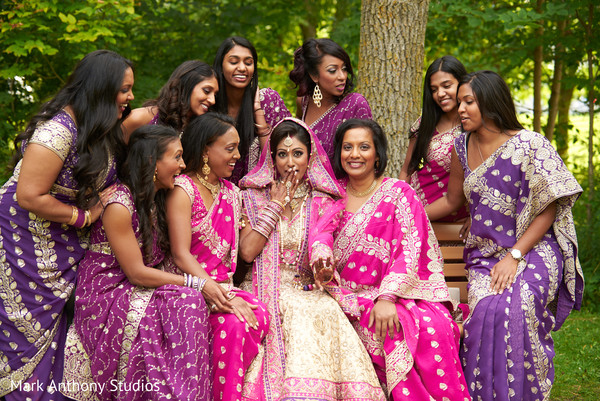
x: 392, y: 39
x: 538, y: 59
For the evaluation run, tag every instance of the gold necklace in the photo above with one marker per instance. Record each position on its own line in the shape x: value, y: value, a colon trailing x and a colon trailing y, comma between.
x: 363, y: 193
x: 213, y: 188
x: 479, y: 149
x: 300, y: 196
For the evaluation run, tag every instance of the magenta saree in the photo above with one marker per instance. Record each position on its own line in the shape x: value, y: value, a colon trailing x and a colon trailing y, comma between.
x: 134, y: 343
x: 214, y: 243
x: 311, y: 351
x: 431, y: 182
x: 388, y: 248
x: 508, y: 348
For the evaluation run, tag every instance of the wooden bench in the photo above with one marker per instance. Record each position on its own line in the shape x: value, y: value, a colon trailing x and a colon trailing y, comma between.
x: 452, y: 249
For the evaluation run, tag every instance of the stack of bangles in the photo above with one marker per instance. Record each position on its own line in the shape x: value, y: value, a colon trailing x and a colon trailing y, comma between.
x: 266, y: 222
x: 388, y: 297
x: 266, y: 128
x: 194, y: 282
x: 80, y: 218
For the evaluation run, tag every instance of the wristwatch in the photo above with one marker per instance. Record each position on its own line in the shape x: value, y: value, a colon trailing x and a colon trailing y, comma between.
x: 516, y: 254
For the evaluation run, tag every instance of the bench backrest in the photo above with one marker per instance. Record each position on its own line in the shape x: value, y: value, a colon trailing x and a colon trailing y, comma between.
x: 452, y: 248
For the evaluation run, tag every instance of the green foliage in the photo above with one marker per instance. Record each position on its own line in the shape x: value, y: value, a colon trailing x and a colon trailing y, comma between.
x: 577, y: 361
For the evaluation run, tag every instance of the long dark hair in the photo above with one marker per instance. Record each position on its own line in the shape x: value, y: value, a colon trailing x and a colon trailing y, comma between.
x: 493, y: 98
x: 245, y: 118
x: 147, y: 145
x: 431, y: 113
x: 201, y: 132
x: 173, y: 100
x: 306, y: 63
x: 91, y: 91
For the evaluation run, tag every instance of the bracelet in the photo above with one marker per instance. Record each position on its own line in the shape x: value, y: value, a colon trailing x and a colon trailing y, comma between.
x: 195, y: 282
x: 80, y: 221
x: 74, y: 215
x: 257, y: 109
x: 280, y: 203
x: 388, y: 297
x: 265, y: 134
x: 261, y: 126
x: 266, y: 222
x: 88, y: 218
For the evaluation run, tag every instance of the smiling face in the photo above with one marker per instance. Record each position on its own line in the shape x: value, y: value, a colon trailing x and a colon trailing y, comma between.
x: 443, y: 87
x: 203, y: 96
x: 332, y: 76
x: 358, y: 153
x: 125, y: 94
x: 238, y: 67
x: 169, y: 166
x: 468, y: 109
x: 222, y: 155
x: 291, y: 154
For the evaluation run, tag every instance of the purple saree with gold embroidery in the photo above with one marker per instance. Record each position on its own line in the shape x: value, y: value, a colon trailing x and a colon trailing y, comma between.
x: 38, y: 264
x: 508, y: 349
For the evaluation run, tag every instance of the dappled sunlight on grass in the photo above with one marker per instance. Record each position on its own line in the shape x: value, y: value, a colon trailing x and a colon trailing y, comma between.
x: 577, y: 361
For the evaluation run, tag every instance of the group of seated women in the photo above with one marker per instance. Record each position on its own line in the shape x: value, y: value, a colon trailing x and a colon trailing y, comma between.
x: 339, y: 292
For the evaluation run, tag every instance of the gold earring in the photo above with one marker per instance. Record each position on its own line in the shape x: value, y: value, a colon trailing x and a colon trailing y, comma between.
x: 206, y: 167
x: 155, y: 172
x: 317, y: 95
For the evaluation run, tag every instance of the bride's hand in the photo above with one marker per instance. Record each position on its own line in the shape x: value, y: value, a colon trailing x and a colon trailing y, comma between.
x: 323, y: 272
x: 283, y: 190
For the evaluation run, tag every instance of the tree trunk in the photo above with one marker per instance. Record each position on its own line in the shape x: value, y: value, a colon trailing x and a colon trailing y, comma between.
x: 555, y: 91
x: 561, y: 131
x: 392, y: 37
x: 309, y: 27
x: 538, y: 59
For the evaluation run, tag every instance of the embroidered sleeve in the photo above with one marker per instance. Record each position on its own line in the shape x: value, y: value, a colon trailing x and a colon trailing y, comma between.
x: 55, y: 137
x: 122, y: 195
x: 186, y: 183
x: 273, y: 106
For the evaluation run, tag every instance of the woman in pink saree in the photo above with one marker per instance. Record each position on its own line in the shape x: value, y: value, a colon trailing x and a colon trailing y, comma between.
x: 203, y: 213
x: 427, y: 164
x: 311, y: 350
x: 389, y: 274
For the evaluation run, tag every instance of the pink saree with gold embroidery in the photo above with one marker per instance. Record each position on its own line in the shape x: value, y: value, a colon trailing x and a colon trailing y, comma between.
x: 388, y: 247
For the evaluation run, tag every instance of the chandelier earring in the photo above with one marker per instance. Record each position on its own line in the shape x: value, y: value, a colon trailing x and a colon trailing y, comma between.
x: 206, y: 167
x: 317, y: 95
x: 154, y: 178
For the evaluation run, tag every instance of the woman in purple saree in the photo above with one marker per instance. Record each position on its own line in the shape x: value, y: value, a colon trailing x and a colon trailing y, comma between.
x: 139, y: 332
x: 389, y: 277
x: 68, y: 165
x: 521, y: 252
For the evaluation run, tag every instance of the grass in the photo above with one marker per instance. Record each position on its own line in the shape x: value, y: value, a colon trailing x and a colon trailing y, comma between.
x: 577, y: 361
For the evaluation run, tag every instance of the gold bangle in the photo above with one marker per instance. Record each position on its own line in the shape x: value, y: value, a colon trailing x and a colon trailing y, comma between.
x: 74, y: 215
x: 280, y: 203
x: 88, y: 218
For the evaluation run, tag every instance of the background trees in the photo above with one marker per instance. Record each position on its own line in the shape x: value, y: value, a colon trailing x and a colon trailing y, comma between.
x: 546, y: 49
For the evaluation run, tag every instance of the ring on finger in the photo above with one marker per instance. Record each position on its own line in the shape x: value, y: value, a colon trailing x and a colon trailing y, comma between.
x: 213, y: 307
x: 288, y: 185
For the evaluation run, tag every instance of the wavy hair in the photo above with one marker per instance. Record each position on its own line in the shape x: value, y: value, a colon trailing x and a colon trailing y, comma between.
x: 245, y: 118
x: 147, y: 145
x: 173, y: 100
x: 91, y: 91
x: 307, y: 59
x: 431, y: 113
